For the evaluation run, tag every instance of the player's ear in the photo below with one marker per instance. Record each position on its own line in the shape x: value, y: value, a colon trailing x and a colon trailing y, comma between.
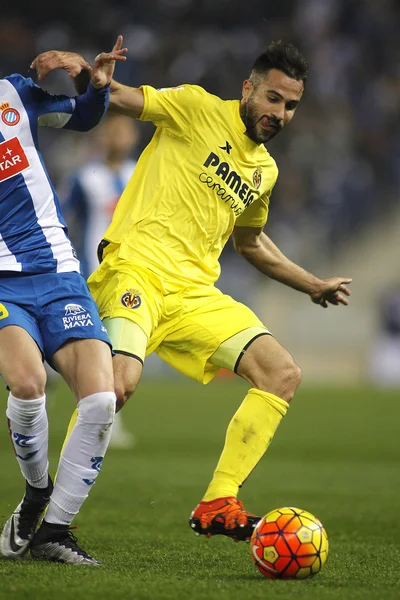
x: 246, y: 88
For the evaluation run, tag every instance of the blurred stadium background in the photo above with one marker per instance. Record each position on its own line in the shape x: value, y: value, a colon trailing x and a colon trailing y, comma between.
x: 335, y: 208
x: 336, y: 211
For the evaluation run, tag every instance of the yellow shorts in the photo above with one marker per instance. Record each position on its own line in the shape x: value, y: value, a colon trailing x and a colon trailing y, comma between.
x: 197, y: 329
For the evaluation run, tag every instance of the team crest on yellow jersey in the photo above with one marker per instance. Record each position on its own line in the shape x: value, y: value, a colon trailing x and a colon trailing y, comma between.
x: 131, y: 299
x: 257, y: 177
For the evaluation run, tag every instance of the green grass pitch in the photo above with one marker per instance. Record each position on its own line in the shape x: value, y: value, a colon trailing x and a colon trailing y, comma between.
x: 336, y: 454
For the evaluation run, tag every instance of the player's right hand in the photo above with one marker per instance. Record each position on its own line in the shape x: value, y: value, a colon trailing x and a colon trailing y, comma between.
x: 332, y: 291
x: 71, y: 62
x: 103, y: 68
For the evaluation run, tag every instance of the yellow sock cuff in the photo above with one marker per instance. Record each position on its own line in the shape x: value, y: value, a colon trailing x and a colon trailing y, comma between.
x: 280, y: 405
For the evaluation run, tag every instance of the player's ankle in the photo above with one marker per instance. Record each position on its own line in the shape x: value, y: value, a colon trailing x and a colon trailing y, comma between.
x: 210, y: 500
x: 53, y: 526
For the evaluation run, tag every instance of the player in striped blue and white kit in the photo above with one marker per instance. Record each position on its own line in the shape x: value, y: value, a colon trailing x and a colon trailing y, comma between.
x: 46, y: 312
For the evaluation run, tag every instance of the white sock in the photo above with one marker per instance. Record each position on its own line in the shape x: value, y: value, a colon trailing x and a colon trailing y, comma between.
x: 82, y: 457
x: 29, y: 432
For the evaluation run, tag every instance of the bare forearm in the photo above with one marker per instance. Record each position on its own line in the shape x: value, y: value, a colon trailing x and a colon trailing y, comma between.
x: 126, y: 100
x: 261, y: 252
x: 269, y: 260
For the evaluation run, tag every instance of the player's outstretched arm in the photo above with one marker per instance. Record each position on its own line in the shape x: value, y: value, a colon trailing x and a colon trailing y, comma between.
x: 123, y: 99
x: 126, y: 100
x: 87, y: 108
x: 259, y: 250
x: 78, y: 68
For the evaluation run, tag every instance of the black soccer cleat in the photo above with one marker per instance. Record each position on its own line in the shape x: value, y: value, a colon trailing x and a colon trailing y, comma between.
x: 56, y: 543
x: 20, y: 528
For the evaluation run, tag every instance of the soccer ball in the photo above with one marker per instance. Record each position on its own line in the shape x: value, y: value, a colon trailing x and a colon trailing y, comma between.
x: 289, y: 543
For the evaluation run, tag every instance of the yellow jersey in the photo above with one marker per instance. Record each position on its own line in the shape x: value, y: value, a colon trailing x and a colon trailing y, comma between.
x: 198, y: 177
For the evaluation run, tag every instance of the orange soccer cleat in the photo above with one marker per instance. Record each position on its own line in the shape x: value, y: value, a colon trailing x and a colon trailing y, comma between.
x: 223, y: 516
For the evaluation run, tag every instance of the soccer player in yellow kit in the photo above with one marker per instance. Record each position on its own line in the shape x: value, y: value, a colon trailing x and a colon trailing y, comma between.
x: 206, y: 175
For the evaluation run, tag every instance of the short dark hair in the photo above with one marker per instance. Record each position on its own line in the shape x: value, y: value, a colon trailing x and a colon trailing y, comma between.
x: 284, y: 57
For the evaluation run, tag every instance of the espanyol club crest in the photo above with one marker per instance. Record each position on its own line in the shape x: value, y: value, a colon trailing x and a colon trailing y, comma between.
x: 257, y: 177
x: 9, y: 116
x: 131, y: 299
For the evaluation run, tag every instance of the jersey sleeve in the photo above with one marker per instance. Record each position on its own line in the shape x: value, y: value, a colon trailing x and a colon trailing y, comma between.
x: 39, y: 102
x: 256, y: 215
x: 89, y: 108
x: 80, y: 113
x: 173, y: 108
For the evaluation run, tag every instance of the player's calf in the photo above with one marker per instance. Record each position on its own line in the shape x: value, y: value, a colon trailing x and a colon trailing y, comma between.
x: 127, y: 373
x: 82, y: 456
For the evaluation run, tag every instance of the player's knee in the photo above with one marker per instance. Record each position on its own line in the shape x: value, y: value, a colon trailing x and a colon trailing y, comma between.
x: 127, y: 373
x: 282, y: 380
x: 97, y: 408
x: 29, y: 385
x: 123, y: 391
x: 291, y: 379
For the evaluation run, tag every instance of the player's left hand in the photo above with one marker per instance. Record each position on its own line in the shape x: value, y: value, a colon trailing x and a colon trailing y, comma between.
x: 103, y: 68
x: 332, y: 291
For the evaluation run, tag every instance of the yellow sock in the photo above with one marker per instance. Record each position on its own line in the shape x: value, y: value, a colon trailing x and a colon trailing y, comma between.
x: 249, y: 434
x: 71, y: 425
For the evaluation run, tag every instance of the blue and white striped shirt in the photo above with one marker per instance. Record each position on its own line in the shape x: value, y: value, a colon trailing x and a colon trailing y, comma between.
x: 33, y: 233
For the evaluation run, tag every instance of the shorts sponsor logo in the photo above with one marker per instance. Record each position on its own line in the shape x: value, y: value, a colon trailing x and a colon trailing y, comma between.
x: 9, y: 116
x: 13, y: 159
x: 73, y: 309
x: 131, y: 299
x: 3, y: 312
x: 76, y: 316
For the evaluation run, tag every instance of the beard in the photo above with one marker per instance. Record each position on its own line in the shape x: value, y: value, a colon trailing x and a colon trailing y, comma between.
x: 254, y: 130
